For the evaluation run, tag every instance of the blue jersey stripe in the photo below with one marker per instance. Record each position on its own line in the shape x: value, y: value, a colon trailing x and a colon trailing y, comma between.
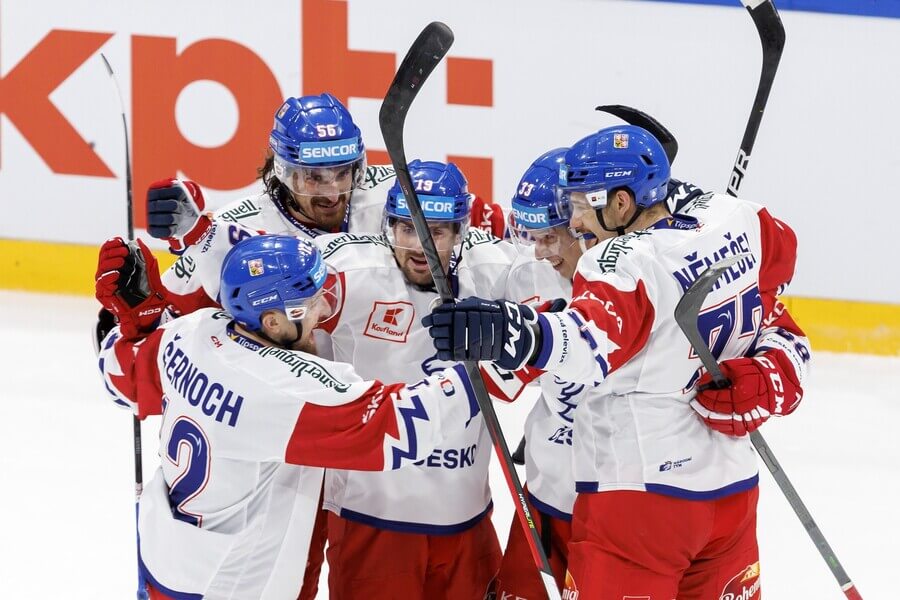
x: 409, y: 527
x: 588, y: 487
x: 546, y: 509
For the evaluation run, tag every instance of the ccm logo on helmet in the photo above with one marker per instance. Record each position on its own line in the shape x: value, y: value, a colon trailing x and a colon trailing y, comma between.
x: 270, y: 298
x: 618, y: 174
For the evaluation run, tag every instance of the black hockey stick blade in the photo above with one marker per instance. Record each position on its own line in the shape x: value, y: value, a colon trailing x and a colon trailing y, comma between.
x: 633, y: 116
x: 423, y: 56
x: 688, y: 309
x: 771, y: 36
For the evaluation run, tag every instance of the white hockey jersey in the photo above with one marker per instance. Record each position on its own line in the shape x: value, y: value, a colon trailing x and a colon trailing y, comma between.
x: 195, y: 275
x: 230, y: 512
x: 378, y: 330
x: 642, y: 433
x: 549, y: 425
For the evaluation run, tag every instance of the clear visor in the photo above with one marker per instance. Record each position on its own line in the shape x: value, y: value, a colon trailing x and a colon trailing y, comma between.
x: 401, y: 233
x: 582, y: 200
x: 547, y: 242
x: 320, y: 181
x: 320, y: 307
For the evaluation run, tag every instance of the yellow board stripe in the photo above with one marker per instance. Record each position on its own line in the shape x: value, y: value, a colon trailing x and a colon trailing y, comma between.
x: 832, y: 325
x: 54, y: 267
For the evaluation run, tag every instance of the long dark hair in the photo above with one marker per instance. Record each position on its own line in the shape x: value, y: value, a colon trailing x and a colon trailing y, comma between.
x: 276, y: 190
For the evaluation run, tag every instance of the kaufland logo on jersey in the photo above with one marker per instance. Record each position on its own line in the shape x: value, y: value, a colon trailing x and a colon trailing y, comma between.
x: 329, y: 151
x: 390, y: 321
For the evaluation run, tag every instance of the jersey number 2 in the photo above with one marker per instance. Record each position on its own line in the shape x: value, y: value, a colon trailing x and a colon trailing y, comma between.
x: 188, y: 448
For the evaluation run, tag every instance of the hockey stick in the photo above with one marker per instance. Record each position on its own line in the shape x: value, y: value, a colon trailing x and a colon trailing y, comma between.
x: 686, y: 314
x: 633, y: 116
x: 771, y: 36
x: 142, y: 593
x: 423, y: 56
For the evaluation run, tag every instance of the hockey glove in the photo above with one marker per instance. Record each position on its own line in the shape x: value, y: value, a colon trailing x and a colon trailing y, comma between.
x: 761, y: 386
x: 127, y: 284
x: 487, y: 216
x: 680, y: 193
x: 477, y: 329
x: 175, y: 213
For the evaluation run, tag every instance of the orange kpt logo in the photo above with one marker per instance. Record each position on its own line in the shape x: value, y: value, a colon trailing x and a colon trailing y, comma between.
x: 160, y: 73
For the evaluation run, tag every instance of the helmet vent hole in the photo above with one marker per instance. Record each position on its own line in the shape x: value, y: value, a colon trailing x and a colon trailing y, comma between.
x: 646, y: 159
x: 235, y: 292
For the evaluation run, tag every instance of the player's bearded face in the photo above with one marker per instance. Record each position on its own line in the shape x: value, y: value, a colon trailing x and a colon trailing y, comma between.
x: 410, y: 256
x: 323, y: 194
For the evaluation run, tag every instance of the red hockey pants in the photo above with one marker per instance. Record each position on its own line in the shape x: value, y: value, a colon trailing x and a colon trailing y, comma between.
x: 376, y: 564
x: 628, y: 544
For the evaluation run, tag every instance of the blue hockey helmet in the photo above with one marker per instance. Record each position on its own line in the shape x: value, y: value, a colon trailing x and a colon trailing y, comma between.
x: 624, y: 156
x: 275, y: 272
x: 444, y: 196
x: 540, y: 215
x: 536, y: 204
x: 315, y: 139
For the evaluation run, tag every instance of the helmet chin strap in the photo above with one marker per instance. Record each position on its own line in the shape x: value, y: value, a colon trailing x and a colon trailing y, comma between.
x: 620, y: 230
x: 266, y: 337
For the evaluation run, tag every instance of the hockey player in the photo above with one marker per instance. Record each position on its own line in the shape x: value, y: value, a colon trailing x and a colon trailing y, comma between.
x: 541, y: 224
x: 550, y: 249
x: 230, y: 511
x: 316, y: 181
x: 424, y: 532
x: 666, y: 477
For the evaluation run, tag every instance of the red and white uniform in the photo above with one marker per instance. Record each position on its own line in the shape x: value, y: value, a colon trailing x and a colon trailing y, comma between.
x: 620, y: 328
x: 229, y: 514
x: 378, y: 330
x: 642, y: 435
x: 195, y: 274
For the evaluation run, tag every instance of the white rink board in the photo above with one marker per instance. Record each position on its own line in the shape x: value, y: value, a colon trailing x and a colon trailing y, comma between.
x: 823, y: 160
x: 67, y: 468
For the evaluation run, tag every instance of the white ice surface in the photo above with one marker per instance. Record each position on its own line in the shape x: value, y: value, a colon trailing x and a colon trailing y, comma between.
x: 66, y: 468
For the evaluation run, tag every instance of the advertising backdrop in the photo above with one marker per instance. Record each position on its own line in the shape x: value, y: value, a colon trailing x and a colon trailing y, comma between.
x: 202, y: 79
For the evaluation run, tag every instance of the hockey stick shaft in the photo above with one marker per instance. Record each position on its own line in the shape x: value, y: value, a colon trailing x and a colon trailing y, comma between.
x: 142, y: 593
x: 423, y: 56
x: 771, y: 36
x: 686, y: 314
